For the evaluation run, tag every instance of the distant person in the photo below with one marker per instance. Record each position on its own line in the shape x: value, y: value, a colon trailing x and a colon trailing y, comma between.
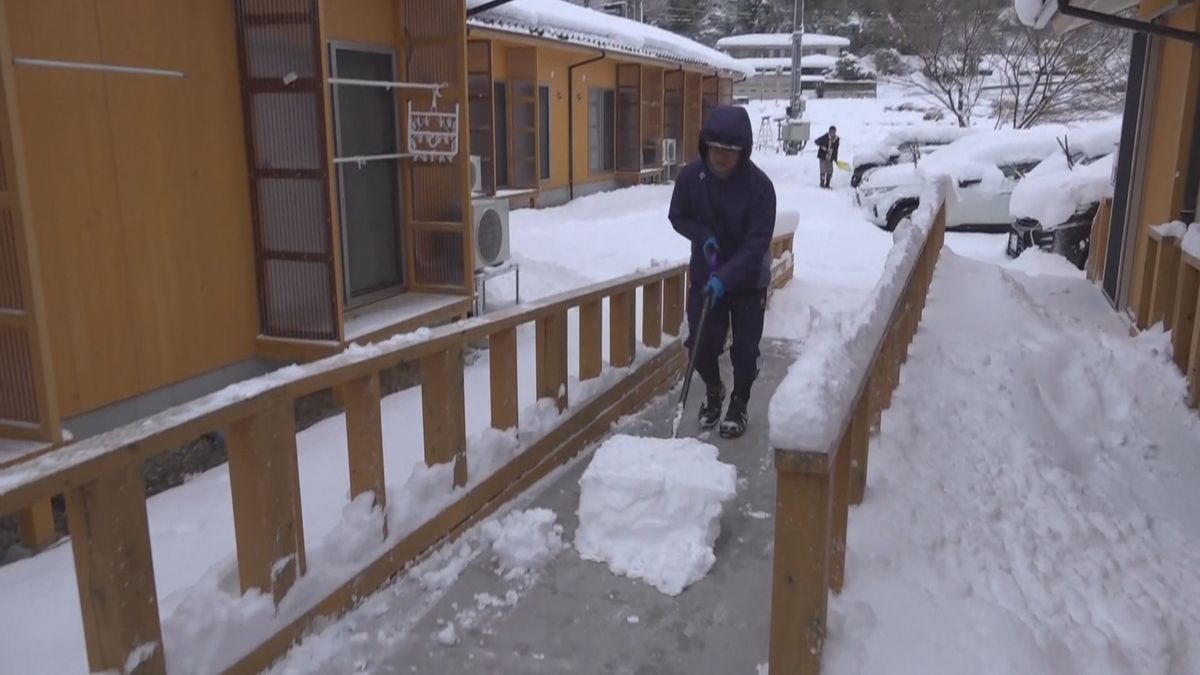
x: 827, y: 154
x: 725, y: 205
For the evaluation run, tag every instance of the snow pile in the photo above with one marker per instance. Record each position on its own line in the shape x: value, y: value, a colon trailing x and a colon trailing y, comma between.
x: 651, y: 509
x: 1191, y: 241
x: 807, y: 408
x: 1175, y: 229
x: 566, y: 21
x: 1052, y: 192
x: 524, y: 541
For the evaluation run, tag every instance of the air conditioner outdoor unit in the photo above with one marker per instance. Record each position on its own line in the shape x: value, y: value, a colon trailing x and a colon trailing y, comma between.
x: 670, y: 152
x: 476, y: 174
x: 489, y: 218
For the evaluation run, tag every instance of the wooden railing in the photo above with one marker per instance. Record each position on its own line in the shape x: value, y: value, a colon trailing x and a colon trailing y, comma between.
x: 1171, y: 295
x: 101, y: 477
x: 816, y: 484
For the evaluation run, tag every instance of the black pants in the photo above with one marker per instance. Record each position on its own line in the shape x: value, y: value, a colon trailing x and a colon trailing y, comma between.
x: 744, y: 311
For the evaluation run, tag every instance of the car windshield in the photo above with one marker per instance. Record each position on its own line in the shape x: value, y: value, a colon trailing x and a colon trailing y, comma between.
x: 1017, y: 170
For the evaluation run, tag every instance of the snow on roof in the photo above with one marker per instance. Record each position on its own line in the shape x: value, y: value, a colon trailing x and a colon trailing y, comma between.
x: 781, y: 40
x: 562, y: 20
x: 965, y: 157
x: 785, y: 62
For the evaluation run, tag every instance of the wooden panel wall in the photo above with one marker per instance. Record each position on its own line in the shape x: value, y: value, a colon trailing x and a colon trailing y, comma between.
x: 139, y: 193
x: 480, y: 86
x: 691, y: 117
x: 599, y: 75
x: 362, y: 21
x: 552, y: 72
x: 28, y: 403
x: 1170, y: 138
x: 432, y: 48
x: 652, y: 116
x: 628, y: 114
x: 523, y: 142
x: 708, y: 98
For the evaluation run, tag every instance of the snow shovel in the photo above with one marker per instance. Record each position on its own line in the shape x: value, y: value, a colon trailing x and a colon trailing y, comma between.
x: 687, y: 378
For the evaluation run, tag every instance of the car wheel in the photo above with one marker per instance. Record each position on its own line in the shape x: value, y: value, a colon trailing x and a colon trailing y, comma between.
x: 898, y: 213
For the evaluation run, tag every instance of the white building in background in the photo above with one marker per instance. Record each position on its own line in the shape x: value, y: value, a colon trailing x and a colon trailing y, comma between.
x: 771, y: 56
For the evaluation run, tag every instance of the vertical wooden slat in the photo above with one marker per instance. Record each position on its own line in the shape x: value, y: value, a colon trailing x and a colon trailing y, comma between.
x: 1142, y: 317
x: 800, y: 580
x: 1185, y: 313
x: 37, y: 526
x: 1193, y: 369
x: 839, y: 518
x: 118, y: 601
x: 591, y: 340
x: 672, y: 313
x: 551, y: 350
x: 264, y: 478
x: 622, y: 325
x: 1166, y: 276
x: 364, y: 438
x: 860, y: 446
x: 502, y: 357
x: 652, y: 321
x: 443, y: 405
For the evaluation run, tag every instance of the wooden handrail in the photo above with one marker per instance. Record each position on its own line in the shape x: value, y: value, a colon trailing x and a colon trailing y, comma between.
x: 101, y: 476
x: 817, y: 484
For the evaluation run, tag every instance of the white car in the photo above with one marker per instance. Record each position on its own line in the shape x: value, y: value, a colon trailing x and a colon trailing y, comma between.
x: 902, y: 145
x: 985, y: 166
x: 1054, y: 206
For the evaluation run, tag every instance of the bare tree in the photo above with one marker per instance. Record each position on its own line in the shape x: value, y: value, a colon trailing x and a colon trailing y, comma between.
x: 1044, y: 77
x: 953, y: 48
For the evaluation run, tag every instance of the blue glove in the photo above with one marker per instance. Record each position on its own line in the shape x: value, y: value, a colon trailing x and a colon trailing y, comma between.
x: 716, y: 287
x: 710, y: 246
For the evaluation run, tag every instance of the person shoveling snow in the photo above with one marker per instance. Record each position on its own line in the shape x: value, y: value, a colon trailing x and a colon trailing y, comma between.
x: 651, y: 509
x: 725, y: 205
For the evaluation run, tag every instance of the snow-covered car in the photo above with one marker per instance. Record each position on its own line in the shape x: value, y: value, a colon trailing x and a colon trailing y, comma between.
x: 1054, y: 206
x: 904, y: 145
x: 985, y: 166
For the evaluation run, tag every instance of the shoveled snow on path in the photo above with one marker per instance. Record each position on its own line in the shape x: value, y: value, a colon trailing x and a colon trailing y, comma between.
x: 1031, y: 503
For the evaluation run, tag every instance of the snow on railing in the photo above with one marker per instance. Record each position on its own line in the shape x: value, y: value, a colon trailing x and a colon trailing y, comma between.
x: 820, y: 421
x: 1170, y: 295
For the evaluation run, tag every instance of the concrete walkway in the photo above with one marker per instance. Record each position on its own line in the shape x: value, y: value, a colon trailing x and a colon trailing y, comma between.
x: 576, y: 616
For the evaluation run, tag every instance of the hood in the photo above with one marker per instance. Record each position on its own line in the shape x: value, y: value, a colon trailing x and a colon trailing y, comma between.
x: 729, y: 125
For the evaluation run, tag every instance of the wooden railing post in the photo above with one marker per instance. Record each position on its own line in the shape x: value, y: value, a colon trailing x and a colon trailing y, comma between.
x: 841, y: 513
x: 673, y: 290
x: 1144, y: 301
x: 591, y: 340
x: 110, y: 538
x: 36, y: 525
x: 551, y: 350
x: 264, y: 479
x: 443, y: 407
x: 1166, y: 277
x: 860, y: 445
x: 502, y: 363
x: 652, y: 320
x: 1193, y: 369
x: 800, y: 579
x: 622, y: 327
x: 1184, y: 321
x: 364, y: 441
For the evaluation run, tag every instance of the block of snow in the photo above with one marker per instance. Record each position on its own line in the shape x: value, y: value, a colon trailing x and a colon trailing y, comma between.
x: 651, y: 509
x: 524, y: 541
x: 1172, y: 230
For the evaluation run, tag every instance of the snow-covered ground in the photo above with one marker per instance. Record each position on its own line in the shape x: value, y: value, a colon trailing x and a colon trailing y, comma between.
x: 1032, y: 516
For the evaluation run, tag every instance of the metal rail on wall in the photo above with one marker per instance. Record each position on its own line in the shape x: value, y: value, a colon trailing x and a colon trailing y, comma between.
x: 434, y: 129
x: 101, y: 67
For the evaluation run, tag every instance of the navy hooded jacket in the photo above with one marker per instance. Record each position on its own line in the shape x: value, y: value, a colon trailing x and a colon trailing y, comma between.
x: 738, y: 210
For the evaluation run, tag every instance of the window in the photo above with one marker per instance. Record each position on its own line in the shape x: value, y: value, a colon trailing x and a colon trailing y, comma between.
x: 500, y: 100
x: 601, y: 104
x: 544, y: 130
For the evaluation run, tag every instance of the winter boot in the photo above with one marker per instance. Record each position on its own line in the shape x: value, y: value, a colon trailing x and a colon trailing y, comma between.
x: 710, y: 410
x: 735, y: 418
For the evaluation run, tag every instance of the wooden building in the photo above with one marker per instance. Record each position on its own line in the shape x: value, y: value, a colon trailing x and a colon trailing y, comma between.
x: 559, y: 111
x: 1140, y: 265
x: 194, y: 192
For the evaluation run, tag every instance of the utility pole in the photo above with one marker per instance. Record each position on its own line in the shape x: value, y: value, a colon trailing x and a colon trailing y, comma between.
x: 796, y: 131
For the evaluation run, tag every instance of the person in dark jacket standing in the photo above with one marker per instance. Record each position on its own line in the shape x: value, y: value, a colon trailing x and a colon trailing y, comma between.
x: 725, y: 205
x: 827, y: 154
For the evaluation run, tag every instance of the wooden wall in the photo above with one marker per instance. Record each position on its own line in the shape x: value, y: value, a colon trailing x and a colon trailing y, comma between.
x: 1170, y: 137
x: 138, y: 193
x: 552, y: 72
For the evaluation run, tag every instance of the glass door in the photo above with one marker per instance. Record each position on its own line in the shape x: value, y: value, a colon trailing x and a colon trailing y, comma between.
x: 366, y: 126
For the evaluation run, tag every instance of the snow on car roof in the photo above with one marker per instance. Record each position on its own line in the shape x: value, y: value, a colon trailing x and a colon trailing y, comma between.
x: 1051, y: 193
x: 781, y: 40
x: 571, y: 23
x: 940, y: 134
